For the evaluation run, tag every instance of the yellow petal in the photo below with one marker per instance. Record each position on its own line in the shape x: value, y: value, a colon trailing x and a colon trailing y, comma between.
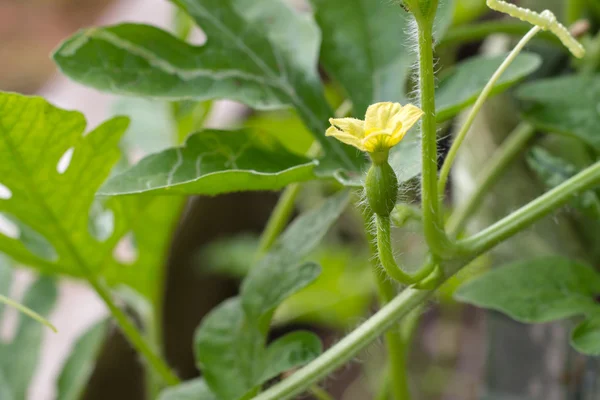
x: 382, y: 116
x: 377, y: 141
x: 351, y: 126
x: 344, y: 137
x: 408, y: 115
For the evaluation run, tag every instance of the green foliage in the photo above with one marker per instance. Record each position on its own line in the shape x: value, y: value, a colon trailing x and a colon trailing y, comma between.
x: 265, y: 54
x: 358, y: 52
x: 195, y: 389
x: 230, y: 342
x: 261, y: 53
x: 536, y: 291
x: 566, y: 105
x: 463, y: 84
x: 553, y: 171
x: 585, y: 338
x: 54, y: 210
x: 79, y: 366
x: 338, y: 298
x: 213, y: 162
x: 19, y: 357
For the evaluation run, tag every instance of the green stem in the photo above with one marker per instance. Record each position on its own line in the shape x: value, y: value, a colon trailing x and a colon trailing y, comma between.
x: 384, y: 388
x: 479, y: 31
x: 462, y: 134
x: 279, y: 218
x: 386, y: 291
x: 504, y: 155
x: 411, y: 298
x: 535, y: 210
x: 386, y: 255
x: 27, y: 311
x: 432, y: 218
x: 133, y: 335
x: 344, y: 350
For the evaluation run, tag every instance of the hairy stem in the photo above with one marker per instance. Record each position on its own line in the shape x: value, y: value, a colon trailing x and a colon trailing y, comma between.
x: 346, y: 348
x: 432, y: 218
x: 462, y: 134
x: 535, y: 210
x: 411, y: 298
x: 386, y: 255
x: 396, y: 382
x: 504, y: 155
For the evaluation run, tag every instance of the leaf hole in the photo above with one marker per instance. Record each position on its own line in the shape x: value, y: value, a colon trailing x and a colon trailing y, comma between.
x: 125, y: 251
x: 196, y: 37
x: 65, y: 161
x: 5, y: 193
x: 35, y: 242
x: 101, y: 221
x: 8, y: 228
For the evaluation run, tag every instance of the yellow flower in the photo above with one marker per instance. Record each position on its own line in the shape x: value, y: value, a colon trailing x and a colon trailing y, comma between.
x: 384, y: 126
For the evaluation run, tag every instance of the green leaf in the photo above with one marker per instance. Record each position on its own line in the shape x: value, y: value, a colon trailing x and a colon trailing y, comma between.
x: 553, y: 171
x: 79, y: 367
x: 340, y: 296
x: 566, y: 105
x: 290, y: 351
x: 536, y: 291
x: 230, y: 351
x: 463, y: 84
x: 52, y: 208
x: 366, y: 47
x: 195, y: 389
x: 6, y: 276
x: 213, y: 162
x: 230, y: 342
x: 285, y: 126
x: 5, y: 390
x: 21, y: 356
x: 585, y: 338
x: 260, y: 53
x: 280, y: 273
x: 276, y: 280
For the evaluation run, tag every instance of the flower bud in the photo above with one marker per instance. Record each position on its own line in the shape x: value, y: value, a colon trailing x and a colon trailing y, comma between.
x: 381, y: 186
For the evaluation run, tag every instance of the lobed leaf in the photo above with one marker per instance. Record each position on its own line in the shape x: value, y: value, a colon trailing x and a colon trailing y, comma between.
x: 52, y: 170
x: 281, y: 272
x: 230, y: 342
x: 536, y: 291
x: 213, y: 162
x: 260, y: 53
